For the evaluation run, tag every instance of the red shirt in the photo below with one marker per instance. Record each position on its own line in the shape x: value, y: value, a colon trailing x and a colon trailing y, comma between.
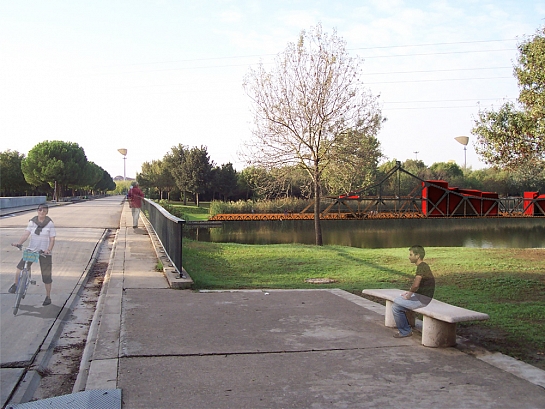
x: 135, y: 196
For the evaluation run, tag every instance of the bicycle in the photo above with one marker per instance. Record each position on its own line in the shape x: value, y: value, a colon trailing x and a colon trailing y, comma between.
x: 25, y: 276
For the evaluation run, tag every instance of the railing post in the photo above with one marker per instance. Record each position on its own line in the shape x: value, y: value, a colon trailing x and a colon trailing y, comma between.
x: 181, y: 229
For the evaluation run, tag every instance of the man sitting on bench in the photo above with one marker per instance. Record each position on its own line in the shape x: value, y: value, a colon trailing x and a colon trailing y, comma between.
x: 419, y: 295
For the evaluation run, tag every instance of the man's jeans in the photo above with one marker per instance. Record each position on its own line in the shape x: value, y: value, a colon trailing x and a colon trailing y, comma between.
x: 399, y: 307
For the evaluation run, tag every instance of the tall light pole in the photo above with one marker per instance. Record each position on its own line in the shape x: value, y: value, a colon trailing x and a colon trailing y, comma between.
x: 416, y: 155
x: 464, y: 141
x: 124, y: 153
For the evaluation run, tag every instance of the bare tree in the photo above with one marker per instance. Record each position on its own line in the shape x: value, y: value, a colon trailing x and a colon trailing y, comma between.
x: 306, y: 105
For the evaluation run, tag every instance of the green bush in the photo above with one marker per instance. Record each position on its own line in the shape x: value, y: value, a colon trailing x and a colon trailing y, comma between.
x: 290, y: 205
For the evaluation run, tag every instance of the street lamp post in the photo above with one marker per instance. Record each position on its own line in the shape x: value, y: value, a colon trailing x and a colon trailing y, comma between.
x: 464, y: 141
x: 124, y: 153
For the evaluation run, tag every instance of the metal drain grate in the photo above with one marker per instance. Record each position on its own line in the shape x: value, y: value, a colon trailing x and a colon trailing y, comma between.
x: 94, y: 399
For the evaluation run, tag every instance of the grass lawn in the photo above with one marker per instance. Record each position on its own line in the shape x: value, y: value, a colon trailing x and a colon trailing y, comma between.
x: 189, y: 212
x: 507, y: 284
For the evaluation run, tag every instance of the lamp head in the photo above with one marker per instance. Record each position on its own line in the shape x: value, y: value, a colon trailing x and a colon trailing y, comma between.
x: 122, y: 151
x: 462, y: 139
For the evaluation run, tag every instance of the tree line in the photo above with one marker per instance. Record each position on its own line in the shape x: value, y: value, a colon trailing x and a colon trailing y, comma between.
x: 505, y: 182
x: 187, y: 173
x: 54, y: 168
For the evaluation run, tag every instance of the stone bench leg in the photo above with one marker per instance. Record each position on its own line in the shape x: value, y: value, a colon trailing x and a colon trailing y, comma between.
x: 389, y: 320
x: 438, y: 334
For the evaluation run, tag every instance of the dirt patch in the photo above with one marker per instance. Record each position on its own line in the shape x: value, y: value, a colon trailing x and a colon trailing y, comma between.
x: 60, y: 375
x: 528, y: 254
x: 320, y: 280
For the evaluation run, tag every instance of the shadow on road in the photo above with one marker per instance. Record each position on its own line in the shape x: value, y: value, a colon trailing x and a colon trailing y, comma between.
x: 48, y: 312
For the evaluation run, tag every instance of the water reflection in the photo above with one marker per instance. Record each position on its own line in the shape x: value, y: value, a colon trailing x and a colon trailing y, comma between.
x: 482, y: 233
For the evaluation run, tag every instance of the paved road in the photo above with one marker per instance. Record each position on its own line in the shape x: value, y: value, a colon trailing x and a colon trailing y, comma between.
x: 80, y: 228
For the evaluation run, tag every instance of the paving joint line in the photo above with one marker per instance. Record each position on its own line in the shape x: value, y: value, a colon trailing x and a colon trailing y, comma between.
x: 302, y: 351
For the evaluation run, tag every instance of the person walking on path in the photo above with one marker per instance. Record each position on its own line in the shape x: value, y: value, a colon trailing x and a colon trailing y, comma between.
x: 135, y: 203
x: 41, y: 231
x: 419, y: 295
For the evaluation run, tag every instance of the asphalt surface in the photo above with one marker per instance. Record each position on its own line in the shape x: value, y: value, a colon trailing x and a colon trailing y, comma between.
x: 23, y: 338
x: 168, y: 348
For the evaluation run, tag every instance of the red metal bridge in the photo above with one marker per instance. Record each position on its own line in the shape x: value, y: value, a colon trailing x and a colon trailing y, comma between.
x: 428, y: 198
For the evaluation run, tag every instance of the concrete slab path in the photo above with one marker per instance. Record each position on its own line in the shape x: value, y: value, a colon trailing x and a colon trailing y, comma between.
x: 273, y: 349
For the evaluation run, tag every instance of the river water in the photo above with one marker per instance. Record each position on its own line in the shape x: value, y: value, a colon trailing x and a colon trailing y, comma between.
x: 468, y: 232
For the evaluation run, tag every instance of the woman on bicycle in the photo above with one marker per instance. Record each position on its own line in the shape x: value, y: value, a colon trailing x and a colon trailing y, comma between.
x: 41, y: 231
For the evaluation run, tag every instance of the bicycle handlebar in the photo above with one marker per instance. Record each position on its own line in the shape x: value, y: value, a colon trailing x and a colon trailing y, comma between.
x: 20, y: 247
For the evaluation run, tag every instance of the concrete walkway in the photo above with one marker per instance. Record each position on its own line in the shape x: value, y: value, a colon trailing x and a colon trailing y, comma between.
x: 170, y: 348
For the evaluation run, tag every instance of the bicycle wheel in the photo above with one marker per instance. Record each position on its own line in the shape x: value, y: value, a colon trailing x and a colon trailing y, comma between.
x: 21, y: 289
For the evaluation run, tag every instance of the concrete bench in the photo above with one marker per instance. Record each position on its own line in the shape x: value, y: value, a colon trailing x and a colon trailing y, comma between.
x: 439, y: 324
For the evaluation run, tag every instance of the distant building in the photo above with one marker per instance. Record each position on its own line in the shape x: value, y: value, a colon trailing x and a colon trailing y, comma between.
x: 120, y: 178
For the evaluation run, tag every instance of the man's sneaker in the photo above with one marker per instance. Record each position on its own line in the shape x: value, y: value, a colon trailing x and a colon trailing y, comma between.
x: 12, y: 289
x: 47, y: 301
x: 399, y: 335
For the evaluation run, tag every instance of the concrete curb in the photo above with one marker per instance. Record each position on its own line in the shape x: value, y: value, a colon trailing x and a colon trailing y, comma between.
x: 31, y: 380
x: 514, y: 366
x: 103, y: 354
x: 92, y: 335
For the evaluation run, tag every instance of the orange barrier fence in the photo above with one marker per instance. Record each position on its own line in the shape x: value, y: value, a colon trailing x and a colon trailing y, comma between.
x: 334, y: 216
x: 310, y: 216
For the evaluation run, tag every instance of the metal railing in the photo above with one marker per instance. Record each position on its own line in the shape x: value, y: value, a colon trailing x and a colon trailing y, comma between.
x: 168, y: 229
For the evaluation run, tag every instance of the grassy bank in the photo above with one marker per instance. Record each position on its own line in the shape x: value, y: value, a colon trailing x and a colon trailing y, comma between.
x: 507, y: 284
x: 187, y: 212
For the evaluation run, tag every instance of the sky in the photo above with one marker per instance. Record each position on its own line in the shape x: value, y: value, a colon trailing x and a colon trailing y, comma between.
x: 149, y: 75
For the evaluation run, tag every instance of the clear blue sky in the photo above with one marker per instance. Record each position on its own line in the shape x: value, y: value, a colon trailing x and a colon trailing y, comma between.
x: 147, y: 75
